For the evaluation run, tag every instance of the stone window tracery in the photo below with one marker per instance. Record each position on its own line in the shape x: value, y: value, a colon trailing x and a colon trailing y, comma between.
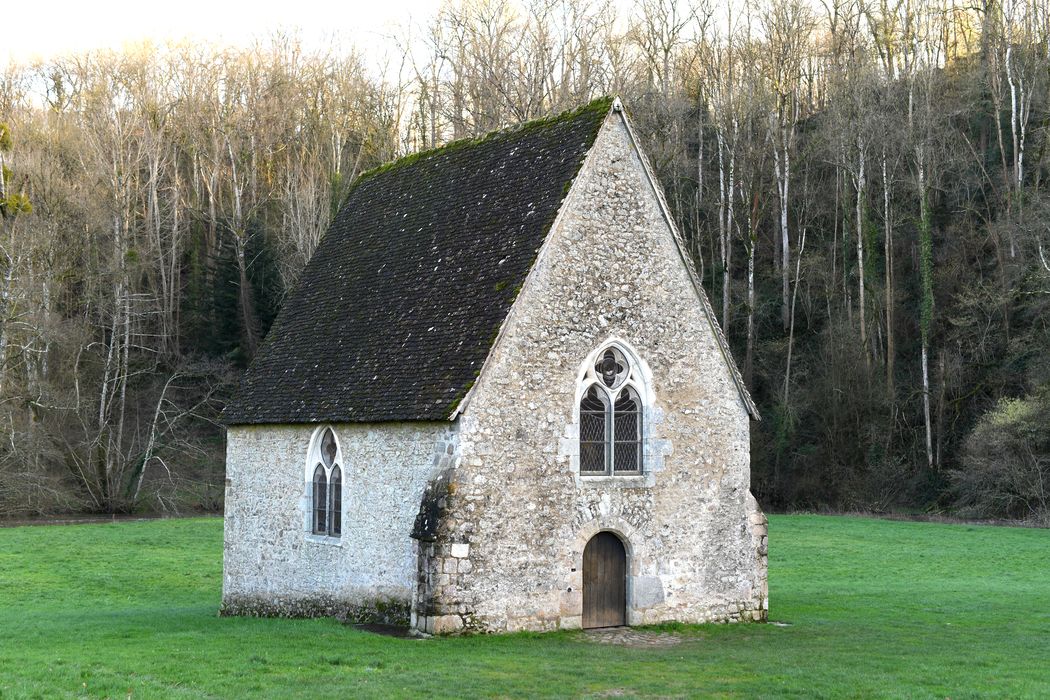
x: 611, y: 415
x: 326, y: 486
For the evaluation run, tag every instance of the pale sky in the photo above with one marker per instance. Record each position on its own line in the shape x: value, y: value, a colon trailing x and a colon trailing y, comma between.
x: 44, y: 28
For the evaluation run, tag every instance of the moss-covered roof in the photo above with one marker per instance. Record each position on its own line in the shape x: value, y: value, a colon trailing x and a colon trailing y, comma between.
x: 400, y: 304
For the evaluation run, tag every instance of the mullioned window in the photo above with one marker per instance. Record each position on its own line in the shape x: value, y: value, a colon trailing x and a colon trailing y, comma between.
x: 611, y: 415
x: 326, y: 485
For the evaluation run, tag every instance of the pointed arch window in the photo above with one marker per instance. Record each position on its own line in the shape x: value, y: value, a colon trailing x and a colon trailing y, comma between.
x: 326, y: 486
x: 611, y: 411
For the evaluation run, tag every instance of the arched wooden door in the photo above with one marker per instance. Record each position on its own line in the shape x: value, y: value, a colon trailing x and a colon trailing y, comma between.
x: 604, y: 581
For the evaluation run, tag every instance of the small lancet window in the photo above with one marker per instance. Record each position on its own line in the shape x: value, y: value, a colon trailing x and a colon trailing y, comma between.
x: 594, y: 409
x: 336, y: 510
x: 611, y: 416
x: 326, y: 493
x: 628, y: 438
x: 320, y: 501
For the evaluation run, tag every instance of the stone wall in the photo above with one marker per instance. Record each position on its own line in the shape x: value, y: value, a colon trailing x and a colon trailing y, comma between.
x: 507, y: 552
x: 273, y: 565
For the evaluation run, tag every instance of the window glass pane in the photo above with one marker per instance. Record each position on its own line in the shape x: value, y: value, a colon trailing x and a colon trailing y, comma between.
x: 593, y: 431
x: 320, y: 505
x: 611, y: 367
x: 627, y: 429
x: 336, y: 489
x: 627, y: 457
x: 592, y: 457
x: 328, y: 447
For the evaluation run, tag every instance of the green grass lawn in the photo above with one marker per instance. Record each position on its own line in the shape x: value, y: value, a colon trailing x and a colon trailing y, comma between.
x: 874, y: 608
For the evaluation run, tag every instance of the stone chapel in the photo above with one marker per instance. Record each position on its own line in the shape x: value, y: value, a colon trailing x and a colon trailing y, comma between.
x: 498, y: 399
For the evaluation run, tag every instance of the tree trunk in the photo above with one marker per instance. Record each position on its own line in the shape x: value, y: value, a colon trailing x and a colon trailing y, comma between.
x: 888, y: 253
x: 791, y: 325
x: 926, y: 308
x: 861, y: 307
x: 782, y: 171
x: 752, y: 237
x: 926, y: 404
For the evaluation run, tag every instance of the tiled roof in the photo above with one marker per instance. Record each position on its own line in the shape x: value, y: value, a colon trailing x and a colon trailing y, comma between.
x: 400, y: 304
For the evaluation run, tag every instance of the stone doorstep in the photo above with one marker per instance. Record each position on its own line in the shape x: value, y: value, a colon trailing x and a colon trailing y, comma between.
x: 627, y: 637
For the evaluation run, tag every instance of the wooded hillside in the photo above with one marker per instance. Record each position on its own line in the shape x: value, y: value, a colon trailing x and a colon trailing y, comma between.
x: 862, y: 183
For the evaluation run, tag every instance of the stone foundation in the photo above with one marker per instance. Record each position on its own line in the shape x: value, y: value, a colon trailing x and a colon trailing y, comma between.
x: 386, y: 612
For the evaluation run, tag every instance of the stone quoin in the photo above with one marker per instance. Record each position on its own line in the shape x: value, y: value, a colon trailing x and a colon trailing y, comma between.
x: 498, y: 400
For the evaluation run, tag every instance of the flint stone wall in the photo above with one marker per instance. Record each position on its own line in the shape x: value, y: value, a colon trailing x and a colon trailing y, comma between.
x: 507, y: 551
x: 274, y: 565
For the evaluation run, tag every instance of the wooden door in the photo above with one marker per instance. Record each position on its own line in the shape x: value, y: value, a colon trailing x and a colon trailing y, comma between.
x: 604, y: 582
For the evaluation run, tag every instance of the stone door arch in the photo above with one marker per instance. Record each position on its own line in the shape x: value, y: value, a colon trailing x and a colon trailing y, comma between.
x: 604, y: 581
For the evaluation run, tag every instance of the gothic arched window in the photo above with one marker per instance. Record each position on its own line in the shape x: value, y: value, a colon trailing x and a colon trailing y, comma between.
x: 611, y: 415
x: 326, y: 486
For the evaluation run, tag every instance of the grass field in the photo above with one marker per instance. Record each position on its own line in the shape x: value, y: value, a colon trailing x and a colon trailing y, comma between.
x: 874, y: 609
